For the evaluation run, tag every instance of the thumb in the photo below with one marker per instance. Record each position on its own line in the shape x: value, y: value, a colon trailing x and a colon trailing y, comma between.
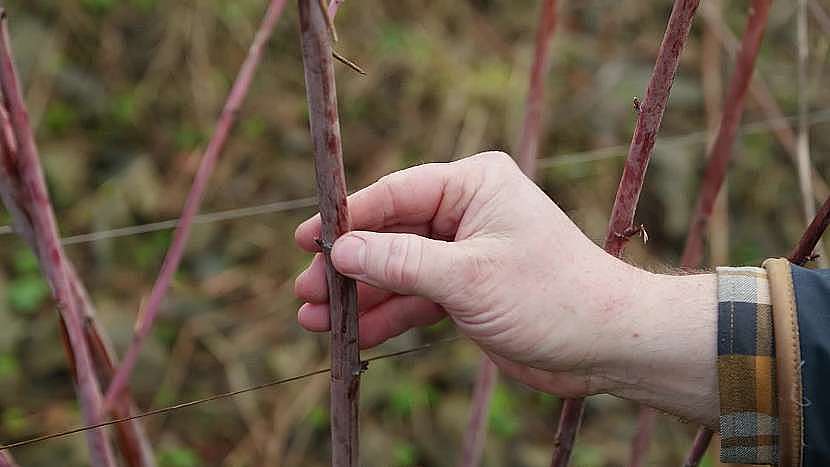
x: 404, y: 263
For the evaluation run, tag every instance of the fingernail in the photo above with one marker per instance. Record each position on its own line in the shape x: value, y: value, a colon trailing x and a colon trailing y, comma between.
x: 349, y: 254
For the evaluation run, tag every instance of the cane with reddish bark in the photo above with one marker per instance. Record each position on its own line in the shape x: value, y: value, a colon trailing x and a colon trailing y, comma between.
x: 331, y: 191
x: 803, y: 252
x: 531, y: 128
x: 721, y: 151
x: 6, y: 459
x: 712, y: 182
x: 334, y: 5
x: 132, y: 440
x: 621, y: 226
x: 475, y: 436
x: 227, y: 120
x: 48, y: 248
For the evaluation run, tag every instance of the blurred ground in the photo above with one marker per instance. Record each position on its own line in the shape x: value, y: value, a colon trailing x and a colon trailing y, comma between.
x: 125, y: 94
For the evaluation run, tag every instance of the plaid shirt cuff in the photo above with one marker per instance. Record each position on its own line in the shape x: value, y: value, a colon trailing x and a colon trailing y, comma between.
x: 746, y: 368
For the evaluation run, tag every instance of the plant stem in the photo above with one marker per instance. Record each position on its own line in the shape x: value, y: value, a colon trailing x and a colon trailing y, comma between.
x: 132, y: 440
x: 631, y: 184
x: 48, y: 248
x: 6, y: 459
x: 820, y: 15
x: 475, y: 437
x: 721, y: 151
x: 648, y: 124
x: 699, y: 447
x: 646, y: 420
x: 803, y: 252
x: 719, y: 157
x: 331, y: 191
x: 334, y: 5
x: 529, y: 141
x: 226, y: 122
x: 764, y: 98
x: 805, y: 179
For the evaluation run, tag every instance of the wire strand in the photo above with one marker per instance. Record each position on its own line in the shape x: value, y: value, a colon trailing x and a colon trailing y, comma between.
x: 581, y: 157
x: 224, y: 395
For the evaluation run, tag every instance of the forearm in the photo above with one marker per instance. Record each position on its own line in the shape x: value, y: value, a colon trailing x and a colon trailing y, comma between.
x: 668, y: 345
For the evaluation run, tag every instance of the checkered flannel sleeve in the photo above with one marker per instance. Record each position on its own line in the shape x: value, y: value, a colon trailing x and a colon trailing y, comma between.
x: 746, y: 367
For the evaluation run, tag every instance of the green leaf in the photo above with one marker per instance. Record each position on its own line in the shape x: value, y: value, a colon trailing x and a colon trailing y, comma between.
x: 9, y: 367
x: 588, y: 456
x: 409, y: 395
x: 319, y: 417
x: 27, y: 293
x: 178, y: 457
x: 98, y: 6
x: 503, y: 418
x: 404, y: 455
x: 25, y: 261
x: 59, y: 117
x: 14, y: 421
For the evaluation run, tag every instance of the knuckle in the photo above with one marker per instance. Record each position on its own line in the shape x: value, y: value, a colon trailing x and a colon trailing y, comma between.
x: 497, y: 169
x: 390, y: 180
x: 499, y: 158
x: 470, y: 274
x: 404, y: 261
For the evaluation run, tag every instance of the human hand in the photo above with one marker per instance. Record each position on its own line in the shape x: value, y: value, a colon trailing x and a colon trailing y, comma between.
x: 479, y: 242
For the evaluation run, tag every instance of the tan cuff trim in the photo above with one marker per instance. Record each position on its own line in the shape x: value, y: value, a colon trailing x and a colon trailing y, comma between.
x: 788, y: 360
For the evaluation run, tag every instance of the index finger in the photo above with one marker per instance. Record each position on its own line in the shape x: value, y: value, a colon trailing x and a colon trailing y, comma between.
x: 409, y: 197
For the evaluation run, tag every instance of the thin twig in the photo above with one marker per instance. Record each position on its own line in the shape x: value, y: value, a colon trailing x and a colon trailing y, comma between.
x: 48, y: 248
x: 713, y: 93
x: 349, y: 63
x: 699, y: 448
x: 333, y: 7
x: 721, y: 154
x: 646, y: 420
x: 475, y: 437
x: 803, y: 252
x: 227, y: 120
x: 530, y: 137
x: 821, y: 16
x: 329, y: 21
x: 642, y: 144
x: 765, y: 99
x: 324, y: 122
x: 6, y: 459
x: 721, y: 151
x: 131, y: 437
x: 805, y: 181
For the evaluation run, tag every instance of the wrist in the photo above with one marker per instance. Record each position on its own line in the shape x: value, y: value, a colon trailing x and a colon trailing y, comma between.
x: 665, y: 341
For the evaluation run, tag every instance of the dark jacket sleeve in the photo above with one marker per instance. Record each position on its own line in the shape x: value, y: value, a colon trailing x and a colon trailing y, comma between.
x: 812, y: 300
x: 801, y: 320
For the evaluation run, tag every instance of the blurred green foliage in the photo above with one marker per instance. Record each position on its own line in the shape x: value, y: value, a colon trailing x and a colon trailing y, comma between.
x: 178, y: 458
x: 124, y: 95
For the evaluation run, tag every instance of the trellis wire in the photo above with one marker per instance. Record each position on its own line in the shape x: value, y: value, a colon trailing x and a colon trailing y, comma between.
x: 227, y: 120
x: 224, y: 395
x: 571, y: 158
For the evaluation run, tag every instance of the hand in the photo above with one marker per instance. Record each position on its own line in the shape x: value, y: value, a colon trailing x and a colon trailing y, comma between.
x: 479, y: 242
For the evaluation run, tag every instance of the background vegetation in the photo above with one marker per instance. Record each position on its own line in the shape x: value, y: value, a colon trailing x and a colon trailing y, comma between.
x: 125, y: 93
